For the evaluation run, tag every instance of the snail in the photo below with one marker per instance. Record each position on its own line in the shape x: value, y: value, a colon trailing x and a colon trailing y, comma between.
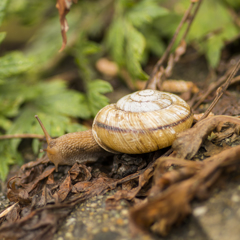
x: 140, y: 122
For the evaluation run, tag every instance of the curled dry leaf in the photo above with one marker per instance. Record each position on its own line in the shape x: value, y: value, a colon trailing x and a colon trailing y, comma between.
x: 17, y: 195
x: 180, y: 169
x: 32, y: 164
x: 63, y: 7
x: 89, y: 189
x: 64, y: 188
x: 51, y: 196
x: 212, y: 149
x: 131, y: 193
x: 163, y: 210
x: 80, y: 172
x: 226, y: 134
x: 26, y: 184
x: 43, y: 226
x: 188, y: 142
x: 169, y: 207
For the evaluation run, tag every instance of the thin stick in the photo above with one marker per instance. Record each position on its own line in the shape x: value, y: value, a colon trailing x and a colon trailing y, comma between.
x: 212, y: 87
x: 24, y: 135
x: 221, y: 90
x: 152, y: 80
x: 191, y: 19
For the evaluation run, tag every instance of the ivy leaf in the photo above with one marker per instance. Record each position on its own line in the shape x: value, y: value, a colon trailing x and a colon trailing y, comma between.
x: 94, y: 95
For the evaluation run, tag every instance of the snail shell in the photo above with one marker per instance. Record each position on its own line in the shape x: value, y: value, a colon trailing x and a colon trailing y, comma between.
x: 141, y: 122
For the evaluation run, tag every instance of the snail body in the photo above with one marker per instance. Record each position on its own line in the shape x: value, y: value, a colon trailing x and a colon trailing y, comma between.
x: 141, y: 122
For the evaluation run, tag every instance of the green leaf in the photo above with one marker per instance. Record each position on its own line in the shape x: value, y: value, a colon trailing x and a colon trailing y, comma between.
x: 4, y: 162
x: 2, y: 36
x: 213, y: 47
x: 8, y: 156
x: 14, y: 63
x: 3, y: 5
x: 154, y: 42
x: 9, y: 106
x: 127, y: 45
x: 135, y: 45
x: 94, y: 95
x: 125, y: 41
x: 144, y: 12
x: 5, y: 123
x: 215, y: 32
x: 50, y: 100
x: 116, y: 40
x: 233, y: 3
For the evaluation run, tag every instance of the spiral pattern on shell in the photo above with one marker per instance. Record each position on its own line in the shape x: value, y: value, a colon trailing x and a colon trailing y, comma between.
x: 141, y: 122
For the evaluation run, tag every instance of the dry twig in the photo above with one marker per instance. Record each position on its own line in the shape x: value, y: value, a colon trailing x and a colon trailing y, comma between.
x: 158, y: 71
x: 24, y: 135
x: 222, y: 89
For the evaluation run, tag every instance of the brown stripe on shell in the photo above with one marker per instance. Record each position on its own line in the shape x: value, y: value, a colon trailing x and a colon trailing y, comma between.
x: 116, y: 129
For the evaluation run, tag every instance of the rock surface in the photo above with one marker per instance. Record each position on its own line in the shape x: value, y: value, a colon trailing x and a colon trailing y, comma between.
x: 217, y: 218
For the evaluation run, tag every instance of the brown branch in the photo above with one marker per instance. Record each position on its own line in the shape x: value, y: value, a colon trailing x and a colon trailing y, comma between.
x: 24, y: 135
x: 212, y: 87
x: 171, y: 206
x: 221, y: 90
x: 153, y: 80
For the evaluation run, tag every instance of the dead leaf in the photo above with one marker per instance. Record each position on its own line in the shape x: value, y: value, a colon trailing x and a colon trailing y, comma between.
x: 164, y: 210
x: 65, y: 188
x: 171, y: 206
x: 7, y: 210
x: 63, y: 7
x: 213, y: 149
x: 129, y: 194
x: 39, y: 224
x: 188, y: 142
x: 80, y: 172
x: 224, y: 134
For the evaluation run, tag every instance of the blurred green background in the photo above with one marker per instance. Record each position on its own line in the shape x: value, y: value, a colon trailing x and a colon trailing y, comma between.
x: 66, y: 88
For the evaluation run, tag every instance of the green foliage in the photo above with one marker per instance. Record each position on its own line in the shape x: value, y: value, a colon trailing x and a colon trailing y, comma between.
x: 124, y: 38
x: 14, y: 63
x: 213, y: 26
x: 95, y: 98
x: 3, y: 5
x: 216, y: 33
x: 23, y: 94
x: 125, y: 31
